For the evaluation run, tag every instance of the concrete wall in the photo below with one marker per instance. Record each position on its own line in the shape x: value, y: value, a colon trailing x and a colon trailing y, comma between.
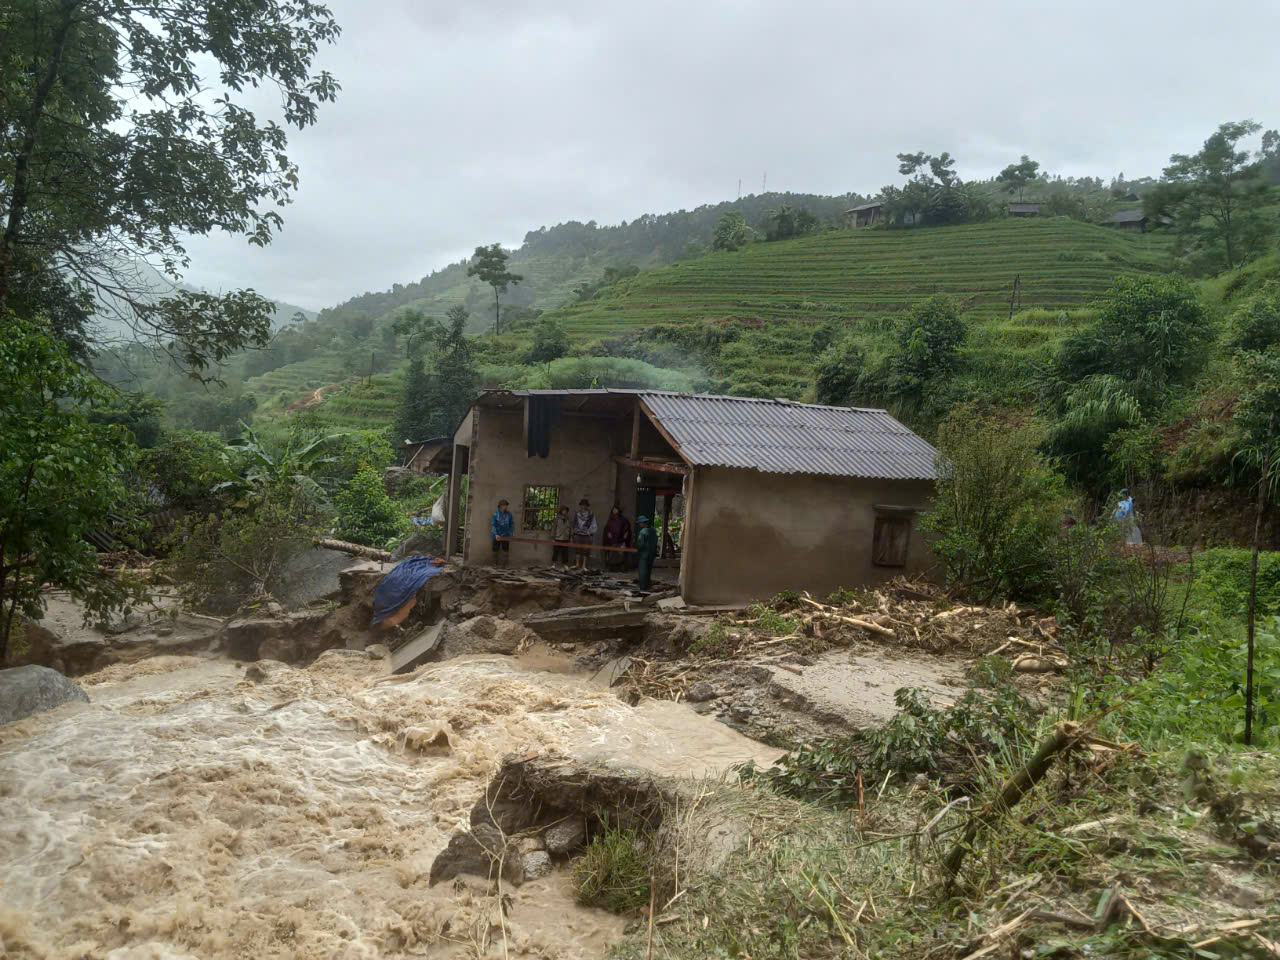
x: 580, y: 463
x: 755, y: 534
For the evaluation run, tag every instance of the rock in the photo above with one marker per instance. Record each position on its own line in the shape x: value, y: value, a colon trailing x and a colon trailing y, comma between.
x: 294, y: 638
x: 81, y: 650
x: 741, y: 711
x: 164, y: 630
x: 480, y: 852
x: 34, y: 689
x: 537, y: 864
x: 416, y: 543
x: 700, y: 692
x: 565, y: 838
x: 704, y: 708
x: 468, y: 610
x: 395, y: 479
x: 273, y: 609
x: 487, y: 634
x: 377, y: 651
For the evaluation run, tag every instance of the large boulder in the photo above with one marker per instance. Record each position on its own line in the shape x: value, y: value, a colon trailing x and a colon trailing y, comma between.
x: 296, y: 638
x: 486, y: 634
x: 34, y: 689
x: 423, y: 543
x: 73, y: 649
x: 482, y: 851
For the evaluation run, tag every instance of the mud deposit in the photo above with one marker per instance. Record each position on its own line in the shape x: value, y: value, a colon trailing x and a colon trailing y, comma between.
x: 198, y: 809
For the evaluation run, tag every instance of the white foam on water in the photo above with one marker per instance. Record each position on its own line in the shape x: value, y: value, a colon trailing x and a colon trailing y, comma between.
x: 189, y: 812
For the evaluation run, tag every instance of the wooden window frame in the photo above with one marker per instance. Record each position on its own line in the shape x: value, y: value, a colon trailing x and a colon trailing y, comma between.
x: 888, y: 517
x: 525, y: 507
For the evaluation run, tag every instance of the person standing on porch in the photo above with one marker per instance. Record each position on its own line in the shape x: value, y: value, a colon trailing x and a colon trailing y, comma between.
x: 646, y: 549
x: 561, y: 534
x: 617, y: 533
x: 584, y: 532
x: 501, y: 526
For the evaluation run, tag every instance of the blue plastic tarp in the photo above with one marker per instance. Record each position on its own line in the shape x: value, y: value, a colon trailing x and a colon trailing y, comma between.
x: 401, y: 584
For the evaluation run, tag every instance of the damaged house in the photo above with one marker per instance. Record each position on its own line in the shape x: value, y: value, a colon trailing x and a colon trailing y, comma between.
x: 751, y: 496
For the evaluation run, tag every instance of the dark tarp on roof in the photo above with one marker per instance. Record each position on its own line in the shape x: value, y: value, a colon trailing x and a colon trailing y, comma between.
x: 778, y: 436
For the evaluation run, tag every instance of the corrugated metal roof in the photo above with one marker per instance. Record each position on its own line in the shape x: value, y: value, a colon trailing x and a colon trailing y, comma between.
x: 1127, y: 216
x: 778, y: 436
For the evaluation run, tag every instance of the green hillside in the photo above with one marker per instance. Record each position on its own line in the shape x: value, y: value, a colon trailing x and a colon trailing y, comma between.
x: 854, y: 274
x: 766, y: 303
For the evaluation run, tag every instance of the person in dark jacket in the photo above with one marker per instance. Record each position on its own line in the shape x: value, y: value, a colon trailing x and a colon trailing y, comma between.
x: 561, y: 534
x: 584, y: 532
x: 502, y: 525
x: 646, y: 550
x: 617, y: 533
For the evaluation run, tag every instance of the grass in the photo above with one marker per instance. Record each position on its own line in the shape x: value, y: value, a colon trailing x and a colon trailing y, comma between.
x: 613, y: 871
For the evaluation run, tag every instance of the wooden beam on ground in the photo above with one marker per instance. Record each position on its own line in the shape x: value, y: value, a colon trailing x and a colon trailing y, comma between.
x: 602, y: 621
x: 355, y: 549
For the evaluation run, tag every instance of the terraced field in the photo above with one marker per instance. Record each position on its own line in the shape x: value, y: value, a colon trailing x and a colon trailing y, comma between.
x: 856, y: 274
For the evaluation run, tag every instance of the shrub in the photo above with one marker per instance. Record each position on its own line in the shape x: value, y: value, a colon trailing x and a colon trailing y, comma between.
x: 613, y: 873
x: 997, y: 510
x: 839, y: 373
x: 366, y: 514
x: 186, y: 466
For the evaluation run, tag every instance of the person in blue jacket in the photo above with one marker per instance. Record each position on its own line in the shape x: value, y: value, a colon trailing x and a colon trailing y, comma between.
x: 502, y: 525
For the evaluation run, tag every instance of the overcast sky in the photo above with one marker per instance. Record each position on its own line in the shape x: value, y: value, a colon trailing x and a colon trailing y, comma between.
x: 465, y: 123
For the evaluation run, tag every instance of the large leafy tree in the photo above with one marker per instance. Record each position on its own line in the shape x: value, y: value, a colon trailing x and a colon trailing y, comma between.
x: 732, y: 232
x: 490, y: 265
x: 123, y: 130
x: 1016, y: 176
x: 1215, y: 196
x: 61, y: 474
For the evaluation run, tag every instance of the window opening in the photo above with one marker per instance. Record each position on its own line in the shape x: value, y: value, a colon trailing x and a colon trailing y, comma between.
x: 540, y: 505
x: 889, y: 543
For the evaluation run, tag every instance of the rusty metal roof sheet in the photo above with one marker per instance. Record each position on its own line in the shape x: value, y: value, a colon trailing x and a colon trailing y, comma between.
x: 778, y: 436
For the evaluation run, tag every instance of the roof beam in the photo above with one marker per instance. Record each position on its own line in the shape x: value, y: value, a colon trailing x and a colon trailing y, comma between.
x: 655, y: 466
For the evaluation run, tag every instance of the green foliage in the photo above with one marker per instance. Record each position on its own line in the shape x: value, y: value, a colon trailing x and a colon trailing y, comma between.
x: 1016, y: 176
x: 490, y: 265
x: 107, y: 155
x: 366, y: 514
x: 222, y: 561
x: 919, y: 738
x: 1255, y: 324
x: 1198, y: 694
x: 588, y: 372
x: 60, y: 476
x: 139, y: 412
x: 732, y: 232
x: 839, y: 373
x: 613, y: 872
x: 1214, y: 197
x: 929, y: 342
x: 415, y: 419
x: 187, y: 466
x: 997, y: 510
x: 1221, y: 585
x: 550, y: 342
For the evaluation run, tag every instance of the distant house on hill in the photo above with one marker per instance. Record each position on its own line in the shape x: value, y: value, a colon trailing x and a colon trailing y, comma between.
x: 1131, y: 197
x: 866, y: 214
x: 1134, y: 220
x: 1017, y: 209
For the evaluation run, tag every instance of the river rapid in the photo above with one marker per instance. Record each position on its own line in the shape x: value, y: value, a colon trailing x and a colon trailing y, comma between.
x: 202, y: 808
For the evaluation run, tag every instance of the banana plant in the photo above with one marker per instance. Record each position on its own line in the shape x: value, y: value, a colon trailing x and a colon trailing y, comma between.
x: 263, y: 468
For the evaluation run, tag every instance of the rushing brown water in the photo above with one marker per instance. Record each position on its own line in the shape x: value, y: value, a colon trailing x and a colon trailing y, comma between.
x: 191, y: 812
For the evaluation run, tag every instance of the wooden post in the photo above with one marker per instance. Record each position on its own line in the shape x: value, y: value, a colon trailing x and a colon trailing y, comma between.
x: 451, y: 502
x: 635, y: 430
x: 1253, y: 585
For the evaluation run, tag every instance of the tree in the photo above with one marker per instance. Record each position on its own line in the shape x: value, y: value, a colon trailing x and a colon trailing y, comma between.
x: 1016, y: 176
x: 490, y: 265
x: 781, y: 224
x: 839, y: 371
x: 929, y: 342
x: 1215, y: 196
x: 115, y: 146
x: 550, y: 342
x: 456, y: 375
x: 732, y: 232
x: 60, y: 477
x: 414, y: 420
x: 366, y: 514
x: 806, y: 221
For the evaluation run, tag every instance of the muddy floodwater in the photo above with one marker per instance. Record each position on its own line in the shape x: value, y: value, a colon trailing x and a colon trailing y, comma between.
x: 200, y: 808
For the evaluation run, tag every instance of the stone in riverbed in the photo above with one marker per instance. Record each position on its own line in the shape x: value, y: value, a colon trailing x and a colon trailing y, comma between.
x: 33, y: 689
x: 563, y: 839
x: 537, y: 864
x: 700, y: 692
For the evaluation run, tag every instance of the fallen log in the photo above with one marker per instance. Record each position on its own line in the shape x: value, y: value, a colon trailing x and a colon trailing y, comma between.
x: 355, y: 549
x: 1065, y: 736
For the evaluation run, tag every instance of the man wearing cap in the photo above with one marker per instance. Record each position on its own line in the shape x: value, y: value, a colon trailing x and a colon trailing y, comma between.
x: 646, y: 549
x: 502, y: 525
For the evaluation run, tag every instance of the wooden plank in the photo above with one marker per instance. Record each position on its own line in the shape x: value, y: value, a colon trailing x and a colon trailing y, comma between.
x: 409, y: 655
x: 635, y: 429
x: 662, y: 430
x: 653, y: 465
x: 565, y: 543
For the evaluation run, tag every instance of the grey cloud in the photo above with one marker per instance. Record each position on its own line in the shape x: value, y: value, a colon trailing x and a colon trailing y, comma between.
x: 461, y: 124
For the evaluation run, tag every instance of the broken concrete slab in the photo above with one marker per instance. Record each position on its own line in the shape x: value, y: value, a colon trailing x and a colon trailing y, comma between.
x: 603, y: 621
x: 404, y: 658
